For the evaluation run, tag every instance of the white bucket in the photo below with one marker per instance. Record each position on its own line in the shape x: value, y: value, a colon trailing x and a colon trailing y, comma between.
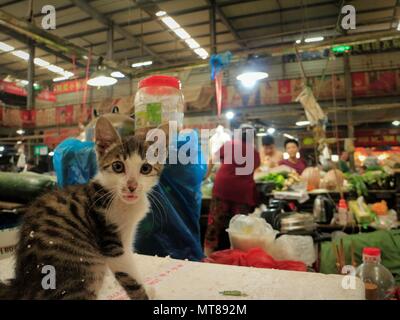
x: 8, y: 242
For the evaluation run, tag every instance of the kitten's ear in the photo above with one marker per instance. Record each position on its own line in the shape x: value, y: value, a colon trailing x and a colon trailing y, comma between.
x: 105, y: 135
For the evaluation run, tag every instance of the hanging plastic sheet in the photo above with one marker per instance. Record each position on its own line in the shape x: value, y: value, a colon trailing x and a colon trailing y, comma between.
x: 74, y: 162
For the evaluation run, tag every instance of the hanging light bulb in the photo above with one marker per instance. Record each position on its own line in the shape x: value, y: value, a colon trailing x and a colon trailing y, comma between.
x: 101, y: 78
x: 252, y: 72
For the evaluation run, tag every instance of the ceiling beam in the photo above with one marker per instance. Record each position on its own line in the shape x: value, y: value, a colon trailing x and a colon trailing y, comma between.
x: 50, y: 41
x: 15, y: 73
x: 84, y: 6
x: 151, y: 11
x: 226, y: 21
x: 24, y: 39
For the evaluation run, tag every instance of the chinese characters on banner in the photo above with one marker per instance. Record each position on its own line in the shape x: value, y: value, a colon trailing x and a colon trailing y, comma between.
x: 12, y: 88
x: 69, y: 86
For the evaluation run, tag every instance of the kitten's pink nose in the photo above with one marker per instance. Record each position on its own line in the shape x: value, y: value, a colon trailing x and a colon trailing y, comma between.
x: 132, y: 185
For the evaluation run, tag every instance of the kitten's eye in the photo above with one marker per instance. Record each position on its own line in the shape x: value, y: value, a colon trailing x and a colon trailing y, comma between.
x: 146, y: 168
x: 118, y: 167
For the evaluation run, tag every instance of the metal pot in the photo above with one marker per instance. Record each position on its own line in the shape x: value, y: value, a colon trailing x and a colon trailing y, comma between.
x: 297, y: 223
x: 323, y: 210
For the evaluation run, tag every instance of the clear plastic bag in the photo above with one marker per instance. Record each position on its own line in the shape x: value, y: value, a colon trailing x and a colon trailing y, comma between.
x: 246, y: 232
x: 295, y: 248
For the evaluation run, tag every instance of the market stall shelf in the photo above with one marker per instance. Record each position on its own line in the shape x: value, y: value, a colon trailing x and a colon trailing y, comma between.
x: 184, y: 280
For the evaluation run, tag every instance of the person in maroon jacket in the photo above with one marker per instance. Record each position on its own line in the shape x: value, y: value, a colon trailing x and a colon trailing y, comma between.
x: 234, y: 190
x: 292, y: 148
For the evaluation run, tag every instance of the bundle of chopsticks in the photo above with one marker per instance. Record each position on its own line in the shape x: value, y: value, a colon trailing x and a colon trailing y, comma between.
x: 340, y: 254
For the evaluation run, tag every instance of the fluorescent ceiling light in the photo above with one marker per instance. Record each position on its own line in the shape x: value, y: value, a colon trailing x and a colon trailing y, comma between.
x: 396, y: 123
x: 289, y: 136
x: 248, y: 79
x: 229, y: 115
x: 117, y: 74
x: 193, y: 44
x: 160, y: 13
x: 68, y: 74
x: 21, y: 54
x: 20, y: 131
x: 55, y: 69
x: 51, y: 153
x: 302, y: 123
x: 102, y: 81
x: 201, y: 52
x: 5, y: 47
x: 41, y: 62
x: 24, y: 82
x: 271, y: 130
x: 2, y: 148
x: 58, y: 79
x: 181, y: 33
x: 261, y: 134
x: 141, y: 64
x: 19, y: 142
x: 170, y: 22
x: 314, y: 39
x: 298, y: 41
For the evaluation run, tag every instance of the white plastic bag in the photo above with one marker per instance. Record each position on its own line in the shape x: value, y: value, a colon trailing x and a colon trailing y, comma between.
x: 295, y: 248
x: 246, y: 232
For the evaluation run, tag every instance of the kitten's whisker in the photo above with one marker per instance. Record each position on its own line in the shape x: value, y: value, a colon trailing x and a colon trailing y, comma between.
x: 108, y: 193
x: 159, y: 205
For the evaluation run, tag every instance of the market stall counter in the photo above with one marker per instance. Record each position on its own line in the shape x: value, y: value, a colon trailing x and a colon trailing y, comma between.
x: 173, y: 279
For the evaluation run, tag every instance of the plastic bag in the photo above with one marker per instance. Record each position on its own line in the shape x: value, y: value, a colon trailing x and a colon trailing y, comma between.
x: 74, y: 162
x: 246, y: 232
x: 386, y: 222
x: 296, y: 248
x: 255, y: 257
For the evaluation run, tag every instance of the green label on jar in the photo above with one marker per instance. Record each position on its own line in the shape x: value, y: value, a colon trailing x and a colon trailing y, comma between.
x: 153, y: 111
x: 140, y: 119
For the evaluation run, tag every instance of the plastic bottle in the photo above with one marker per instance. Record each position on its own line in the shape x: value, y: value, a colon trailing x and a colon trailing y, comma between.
x: 158, y: 100
x: 379, y: 282
x: 342, y: 212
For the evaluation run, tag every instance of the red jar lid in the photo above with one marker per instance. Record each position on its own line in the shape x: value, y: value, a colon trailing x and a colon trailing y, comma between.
x: 342, y: 203
x: 157, y: 81
x: 372, y: 251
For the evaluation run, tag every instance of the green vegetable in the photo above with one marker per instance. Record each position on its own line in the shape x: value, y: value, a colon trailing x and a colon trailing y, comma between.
x: 235, y: 293
x: 277, y: 178
x: 357, y: 184
x: 374, y: 168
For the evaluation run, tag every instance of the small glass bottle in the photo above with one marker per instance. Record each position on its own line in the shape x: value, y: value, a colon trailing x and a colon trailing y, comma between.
x: 379, y: 282
x: 342, y: 217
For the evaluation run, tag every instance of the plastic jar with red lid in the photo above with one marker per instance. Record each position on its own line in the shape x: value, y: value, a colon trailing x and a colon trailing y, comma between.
x: 159, y: 99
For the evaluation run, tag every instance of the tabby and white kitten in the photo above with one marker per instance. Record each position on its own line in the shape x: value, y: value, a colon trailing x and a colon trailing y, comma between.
x: 82, y: 230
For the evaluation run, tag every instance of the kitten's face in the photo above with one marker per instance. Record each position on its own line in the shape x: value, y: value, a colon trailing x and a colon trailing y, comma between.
x: 123, y: 169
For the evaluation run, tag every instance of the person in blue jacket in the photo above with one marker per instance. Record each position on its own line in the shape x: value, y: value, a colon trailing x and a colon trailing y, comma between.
x: 172, y: 226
